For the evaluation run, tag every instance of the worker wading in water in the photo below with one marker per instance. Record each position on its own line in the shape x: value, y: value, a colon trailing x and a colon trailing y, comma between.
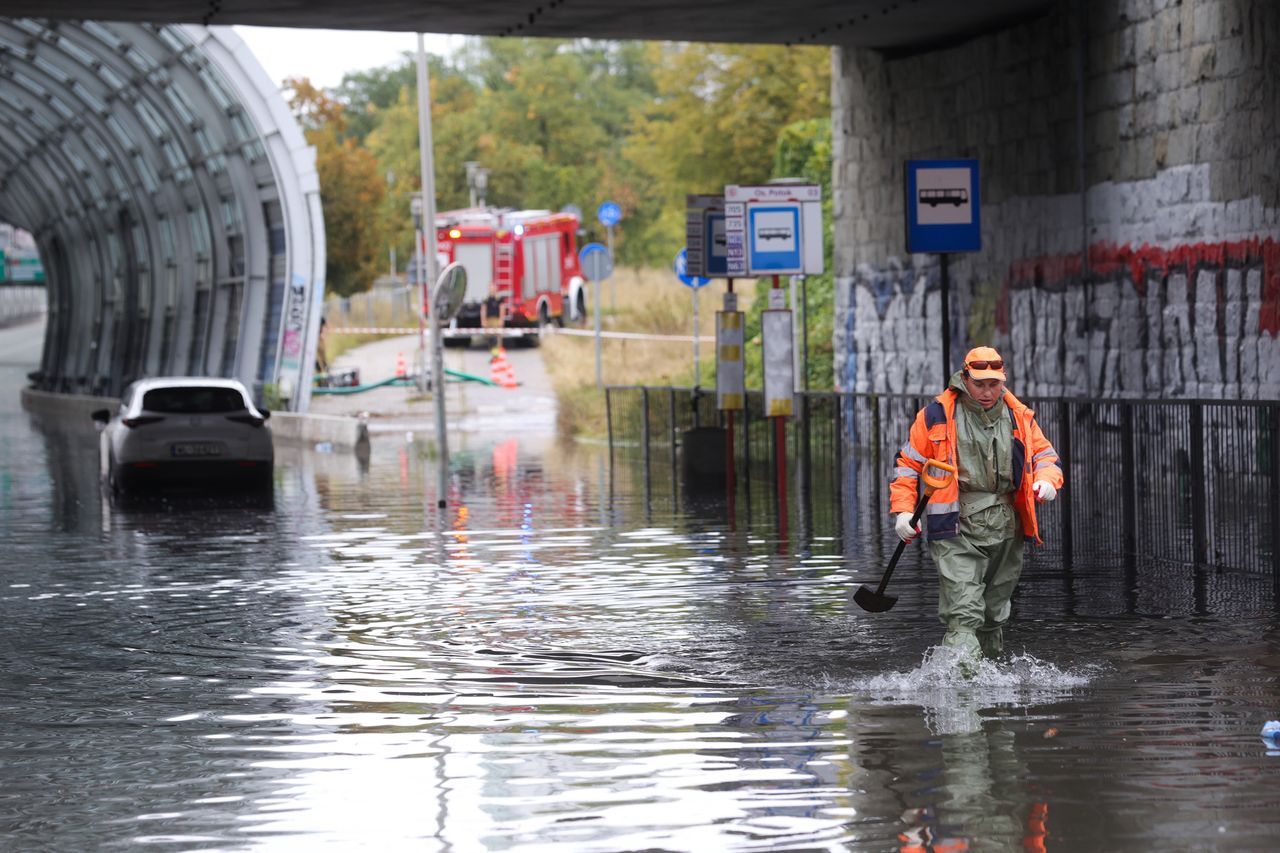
x: 977, y: 523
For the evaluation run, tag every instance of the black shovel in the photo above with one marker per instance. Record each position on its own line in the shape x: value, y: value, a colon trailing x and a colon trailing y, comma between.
x: 875, y: 601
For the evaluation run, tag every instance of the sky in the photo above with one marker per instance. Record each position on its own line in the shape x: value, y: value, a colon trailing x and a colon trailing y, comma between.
x: 325, y: 55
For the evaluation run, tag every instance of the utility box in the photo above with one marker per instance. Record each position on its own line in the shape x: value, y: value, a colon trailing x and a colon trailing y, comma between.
x: 703, y: 465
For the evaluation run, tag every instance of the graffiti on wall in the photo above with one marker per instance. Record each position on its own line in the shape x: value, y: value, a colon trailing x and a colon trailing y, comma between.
x: 1192, y: 320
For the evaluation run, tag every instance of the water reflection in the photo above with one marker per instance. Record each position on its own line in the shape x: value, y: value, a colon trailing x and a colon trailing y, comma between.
x: 554, y: 661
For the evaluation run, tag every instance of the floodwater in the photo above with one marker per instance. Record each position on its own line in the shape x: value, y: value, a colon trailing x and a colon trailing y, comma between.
x: 554, y: 662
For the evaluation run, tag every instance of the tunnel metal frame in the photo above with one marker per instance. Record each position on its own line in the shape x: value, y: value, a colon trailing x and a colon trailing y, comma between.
x: 175, y: 202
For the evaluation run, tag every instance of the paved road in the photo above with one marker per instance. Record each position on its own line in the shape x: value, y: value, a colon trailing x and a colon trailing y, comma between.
x: 470, y: 406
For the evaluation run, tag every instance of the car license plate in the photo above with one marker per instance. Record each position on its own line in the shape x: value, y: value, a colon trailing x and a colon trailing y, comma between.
x: 196, y: 448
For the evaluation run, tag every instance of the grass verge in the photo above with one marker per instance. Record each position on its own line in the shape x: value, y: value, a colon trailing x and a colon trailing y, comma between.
x: 645, y: 300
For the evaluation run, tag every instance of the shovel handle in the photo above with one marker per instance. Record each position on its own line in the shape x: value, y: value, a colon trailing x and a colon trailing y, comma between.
x: 931, y: 484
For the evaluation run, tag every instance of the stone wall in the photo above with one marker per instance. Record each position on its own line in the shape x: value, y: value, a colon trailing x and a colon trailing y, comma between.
x: 1131, y: 237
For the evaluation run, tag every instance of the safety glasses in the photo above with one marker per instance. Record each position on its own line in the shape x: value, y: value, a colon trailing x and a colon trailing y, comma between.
x: 986, y: 365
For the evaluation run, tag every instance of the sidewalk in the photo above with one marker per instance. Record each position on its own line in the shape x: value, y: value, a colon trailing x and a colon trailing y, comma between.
x: 469, y: 406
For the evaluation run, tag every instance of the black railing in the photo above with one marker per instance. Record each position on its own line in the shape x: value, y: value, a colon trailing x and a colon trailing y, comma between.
x: 1186, y: 482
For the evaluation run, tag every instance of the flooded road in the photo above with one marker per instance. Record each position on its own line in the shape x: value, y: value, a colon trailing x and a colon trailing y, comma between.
x: 555, y: 663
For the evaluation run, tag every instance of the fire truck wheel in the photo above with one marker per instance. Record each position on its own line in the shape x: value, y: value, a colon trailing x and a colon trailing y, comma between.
x: 458, y: 343
x: 580, y: 308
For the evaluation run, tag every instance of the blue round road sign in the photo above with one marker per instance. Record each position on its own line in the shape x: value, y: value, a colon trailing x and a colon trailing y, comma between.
x: 609, y: 214
x: 597, y: 264
x: 682, y: 271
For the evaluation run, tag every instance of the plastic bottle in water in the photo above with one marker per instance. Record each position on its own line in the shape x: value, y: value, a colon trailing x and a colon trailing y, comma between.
x: 1271, y: 733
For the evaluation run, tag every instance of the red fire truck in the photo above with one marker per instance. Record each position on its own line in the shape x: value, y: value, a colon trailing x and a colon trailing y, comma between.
x: 530, y: 255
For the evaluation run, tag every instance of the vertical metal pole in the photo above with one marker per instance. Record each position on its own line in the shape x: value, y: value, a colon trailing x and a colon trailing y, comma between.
x: 1274, y: 449
x: 673, y: 432
x: 671, y: 418
x: 608, y: 417
x: 780, y: 455
x: 946, y: 322
x: 1063, y: 446
x: 730, y: 465
x: 877, y: 461
x: 1129, y: 485
x: 644, y: 442
x: 839, y: 450
x: 1199, y: 532
x: 746, y: 448
x: 731, y: 458
x: 425, y: 156
x: 804, y: 331
x: 697, y: 374
x: 613, y: 288
x: 595, y: 301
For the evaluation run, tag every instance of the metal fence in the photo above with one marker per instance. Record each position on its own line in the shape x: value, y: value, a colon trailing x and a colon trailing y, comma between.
x: 381, y: 306
x: 1184, y: 482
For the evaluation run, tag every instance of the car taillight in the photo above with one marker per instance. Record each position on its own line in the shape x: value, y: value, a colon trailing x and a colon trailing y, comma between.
x: 142, y: 420
x: 246, y: 419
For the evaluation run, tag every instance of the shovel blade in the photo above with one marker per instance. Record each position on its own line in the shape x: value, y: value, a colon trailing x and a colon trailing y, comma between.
x: 868, y: 600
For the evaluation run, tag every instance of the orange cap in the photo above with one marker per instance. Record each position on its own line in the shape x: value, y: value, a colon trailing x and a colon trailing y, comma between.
x: 984, y: 363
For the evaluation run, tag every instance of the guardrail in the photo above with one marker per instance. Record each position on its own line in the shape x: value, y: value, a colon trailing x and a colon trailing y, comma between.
x: 1192, y: 482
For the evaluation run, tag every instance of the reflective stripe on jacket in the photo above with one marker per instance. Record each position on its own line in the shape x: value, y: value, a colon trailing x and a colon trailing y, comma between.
x: 933, y: 436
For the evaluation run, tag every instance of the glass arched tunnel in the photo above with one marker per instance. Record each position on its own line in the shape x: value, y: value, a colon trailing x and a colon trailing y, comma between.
x: 175, y: 203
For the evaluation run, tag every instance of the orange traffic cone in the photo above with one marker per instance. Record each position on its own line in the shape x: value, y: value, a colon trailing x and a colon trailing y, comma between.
x: 500, y: 372
x: 400, y: 371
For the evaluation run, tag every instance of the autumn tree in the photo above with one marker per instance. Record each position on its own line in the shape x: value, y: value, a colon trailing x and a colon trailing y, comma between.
x: 715, y: 120
x: 351, y: 190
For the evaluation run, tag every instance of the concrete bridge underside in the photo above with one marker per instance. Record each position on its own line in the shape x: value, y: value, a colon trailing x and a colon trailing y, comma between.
x: 174, y: 200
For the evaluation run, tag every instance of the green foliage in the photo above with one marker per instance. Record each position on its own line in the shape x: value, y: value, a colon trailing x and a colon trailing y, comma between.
x: 271, y: 399
x: 568, y: 122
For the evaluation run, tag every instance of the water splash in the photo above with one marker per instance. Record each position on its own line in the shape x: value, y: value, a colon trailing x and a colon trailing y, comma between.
x: 944, y: 667
x: 952, y: 689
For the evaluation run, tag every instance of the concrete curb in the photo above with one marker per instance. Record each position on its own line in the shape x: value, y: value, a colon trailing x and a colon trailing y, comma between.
x: 346, y: 433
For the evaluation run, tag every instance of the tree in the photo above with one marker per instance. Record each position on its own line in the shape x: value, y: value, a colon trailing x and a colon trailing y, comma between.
x: 715, y: 121
x: 351, y: 188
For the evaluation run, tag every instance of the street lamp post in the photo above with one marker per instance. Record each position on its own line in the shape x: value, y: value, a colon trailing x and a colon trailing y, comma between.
x: 428, y: 247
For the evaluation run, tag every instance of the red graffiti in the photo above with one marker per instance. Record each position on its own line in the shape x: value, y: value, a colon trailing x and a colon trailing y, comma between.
x: 1106, y: 260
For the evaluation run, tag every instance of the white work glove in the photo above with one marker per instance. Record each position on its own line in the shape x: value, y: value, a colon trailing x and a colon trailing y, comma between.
x: 1044, y: 491
x: 903, y: 527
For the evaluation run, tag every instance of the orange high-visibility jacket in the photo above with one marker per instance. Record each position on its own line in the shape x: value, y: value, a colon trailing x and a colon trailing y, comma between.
x: 933, y: 436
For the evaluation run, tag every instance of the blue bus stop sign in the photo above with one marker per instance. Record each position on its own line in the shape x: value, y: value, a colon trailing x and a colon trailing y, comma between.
x: 609, y: 214
x: 682, y: 271
x: 943, y: 207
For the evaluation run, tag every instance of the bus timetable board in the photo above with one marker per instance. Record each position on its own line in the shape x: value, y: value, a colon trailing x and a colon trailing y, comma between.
x: 705, y: 236
x: 773, y: 229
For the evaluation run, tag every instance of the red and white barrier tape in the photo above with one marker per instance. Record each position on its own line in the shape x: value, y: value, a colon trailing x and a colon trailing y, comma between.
x: 518, y: 333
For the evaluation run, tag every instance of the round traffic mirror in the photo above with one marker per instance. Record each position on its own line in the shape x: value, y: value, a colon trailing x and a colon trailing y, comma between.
x: 450, y: 290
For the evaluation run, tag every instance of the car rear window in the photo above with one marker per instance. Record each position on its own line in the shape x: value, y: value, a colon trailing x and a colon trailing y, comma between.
x: 193, y: 401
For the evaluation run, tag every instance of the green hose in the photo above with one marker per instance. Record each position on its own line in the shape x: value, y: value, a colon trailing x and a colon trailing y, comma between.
x: 400, y: 380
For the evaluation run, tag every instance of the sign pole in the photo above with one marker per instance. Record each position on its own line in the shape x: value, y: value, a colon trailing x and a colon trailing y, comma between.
x: 730, y: 458
x: 425, y: 155
x: 780, y: 454
x: 597, y: 265
x: 595, y: 298
x: 946, y: 323
x: 697, y: 375
x: 613, y: 288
